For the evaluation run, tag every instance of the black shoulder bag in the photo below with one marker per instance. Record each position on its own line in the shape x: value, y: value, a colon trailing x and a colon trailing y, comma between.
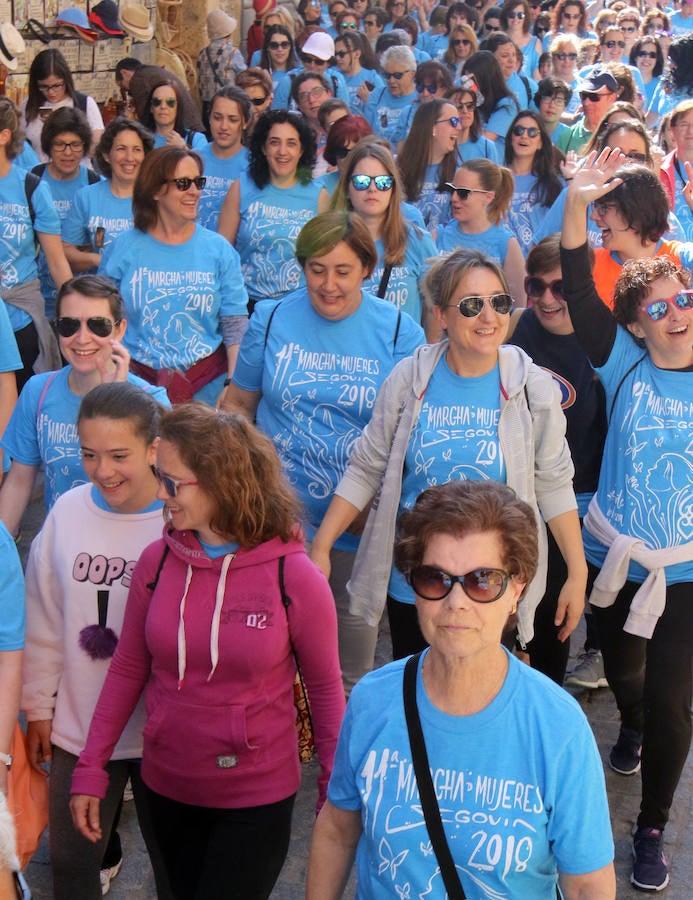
x: 427, y: 794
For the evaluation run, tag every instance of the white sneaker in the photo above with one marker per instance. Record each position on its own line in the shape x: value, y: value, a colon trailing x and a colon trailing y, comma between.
x: 107, y: 875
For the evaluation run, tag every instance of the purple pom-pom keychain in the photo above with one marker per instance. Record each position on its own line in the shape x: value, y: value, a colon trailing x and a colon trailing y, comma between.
x: 98, y: 641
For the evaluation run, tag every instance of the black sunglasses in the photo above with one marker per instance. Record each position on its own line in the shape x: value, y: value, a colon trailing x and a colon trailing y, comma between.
x: 101, y: 326
x: 480, y: 585
x: 185, y: 183
x: 646, y: 54
x: 258, y: 101
x: 611, y: 44
x: 536, y: 287
x: 531, y: 130
x: 462, y: 192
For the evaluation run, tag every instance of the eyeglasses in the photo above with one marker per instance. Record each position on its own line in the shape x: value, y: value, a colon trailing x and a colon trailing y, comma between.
x: 536, y: 287
x: 171, y: 485
x: 381, y: 182
x: 398, y: 76
x: 462, y: 192
x: 572, y: 17
x: 593, y: 96
x: 430, y: 88
x: 49, y: 88
x: 62, y: 146
x: 345, y: 25
x: 312, y: 93
x: 491, y: 26
x: 466, y: 106
x: 453, y: 120
x: 461, y: 42
x: 100, y: 326
x: 308, y: 60
x: 470, y: 307
x: 660, y: 308
x: 369, y: 23
x: 603, y: 206
x: 480, y: 585
x: 340, y: 54
x: 159, y: 101
x: 558, y: 99
x: 184, y: 184
x: 258, y: 101
x: 646, y: 54
x: 279, y: 45
x: 562, y: 57
x: 611, y: 44
x: 531, y: 130
x: 516, y: 15
x: 636, y: 157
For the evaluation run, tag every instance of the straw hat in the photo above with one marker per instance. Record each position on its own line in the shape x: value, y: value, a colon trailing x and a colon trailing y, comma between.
x: 11, y: 45
x: 134, y: 20
x: 169, y: 60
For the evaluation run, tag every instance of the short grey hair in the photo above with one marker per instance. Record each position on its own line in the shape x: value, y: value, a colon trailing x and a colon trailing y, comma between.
x: 399, y: 55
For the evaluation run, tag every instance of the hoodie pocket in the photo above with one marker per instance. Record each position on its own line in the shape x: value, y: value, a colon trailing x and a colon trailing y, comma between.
x: 200, y: 738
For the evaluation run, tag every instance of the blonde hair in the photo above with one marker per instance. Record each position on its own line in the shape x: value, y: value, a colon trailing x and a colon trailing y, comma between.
x: 498, y: 179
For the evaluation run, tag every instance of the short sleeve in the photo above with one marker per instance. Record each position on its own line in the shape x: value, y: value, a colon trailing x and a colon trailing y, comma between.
x: 251, y: 354
x: 46, y: 220
x: 12, y: 595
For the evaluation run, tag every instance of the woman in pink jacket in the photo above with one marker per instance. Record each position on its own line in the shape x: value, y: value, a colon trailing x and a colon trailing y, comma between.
x: 219, y: 613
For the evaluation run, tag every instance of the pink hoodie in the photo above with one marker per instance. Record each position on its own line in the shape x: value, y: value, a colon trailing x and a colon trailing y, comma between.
x: 210, y: 648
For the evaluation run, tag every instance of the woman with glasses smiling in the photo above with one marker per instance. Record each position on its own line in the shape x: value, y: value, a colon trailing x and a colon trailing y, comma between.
x: 51, y: 86
x: 390, y: 109
x: 462, y: 42
x: 516, y: 18
x: 278, y: 55
x: 638, y: 531
x: 356, y: 62
x: 468, y: 407
x: 164, y: 118
x: 466, y: 715
x: 646, y: 54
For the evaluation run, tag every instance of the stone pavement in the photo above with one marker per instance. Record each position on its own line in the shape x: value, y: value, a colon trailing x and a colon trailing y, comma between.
x: 135, y: 881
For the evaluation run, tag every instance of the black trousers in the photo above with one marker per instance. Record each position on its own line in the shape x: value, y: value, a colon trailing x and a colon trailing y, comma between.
x: 222, y: 854
x: 653, y: 686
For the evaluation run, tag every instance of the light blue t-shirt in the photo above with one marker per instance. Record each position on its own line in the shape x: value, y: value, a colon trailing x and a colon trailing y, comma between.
x: 403, y: 285
x: 435, y: 45
x: 27, y: 159
x: 390, y: 117
x: 98, y: 217
x: 481, y: 147
x: 354, y: 82
x: 513, y: 809
x: 175, y: 295
x: 197, y: 142
x: 10, y: 360
x: 335, y: 80
x: 12, y: 595
x: 525, y: 214
x: 270, y: 221
x: 17, y: 235
x: 494, y: 241
x: 501, y: 116
x: 63, y: 194
x: 645, y: 485
x: 454, y: 438
x: 43, y: 429
x: 319, y: 380
x: 219, y: 174
x: 679, y: 24
x: 434, y: 204
x: 530, y: 58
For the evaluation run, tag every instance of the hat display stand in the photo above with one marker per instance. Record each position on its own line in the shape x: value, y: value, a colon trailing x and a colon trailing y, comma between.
x: 169, y: 40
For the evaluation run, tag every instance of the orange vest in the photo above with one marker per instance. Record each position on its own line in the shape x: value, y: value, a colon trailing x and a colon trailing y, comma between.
x: 606, y: 270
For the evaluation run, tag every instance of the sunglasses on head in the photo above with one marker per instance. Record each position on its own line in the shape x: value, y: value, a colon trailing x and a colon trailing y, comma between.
x: 279, y: 45
x: 470, y: 307
x: 480, y: 585
x: 430, y: 88
x: 462, y: 192
x: 562, y: 57
x: 160, y: 101
x: 381, y: 182
x: 536, y: 287
x: 171, y: 485
x: 647, y: 54
x: 658, y: 309
x: 611, y: 44
x: 531, y: 130
x: 185, y: 183
x: 100, y: 326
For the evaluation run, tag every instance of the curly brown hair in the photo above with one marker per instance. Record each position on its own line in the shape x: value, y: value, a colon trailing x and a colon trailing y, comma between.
x: 635, y: 280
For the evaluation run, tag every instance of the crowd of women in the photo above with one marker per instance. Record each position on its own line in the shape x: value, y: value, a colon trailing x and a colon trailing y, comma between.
x: 406, y: 332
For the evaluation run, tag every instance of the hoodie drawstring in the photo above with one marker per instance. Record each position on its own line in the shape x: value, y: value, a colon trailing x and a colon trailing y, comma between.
x: 181, y: 629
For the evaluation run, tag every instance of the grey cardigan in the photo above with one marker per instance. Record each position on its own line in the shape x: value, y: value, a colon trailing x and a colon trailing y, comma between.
x: 537, y: 459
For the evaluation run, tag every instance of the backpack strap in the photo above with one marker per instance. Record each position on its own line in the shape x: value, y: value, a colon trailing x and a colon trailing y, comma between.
x: 525, y: 81
x: 80, y: 101
x: 42, y: 396
x: 40, y: 169
x: 31, y: 182
x: 92, y: 177
x: 620, y: 384
x: 269, y: 322
x: 153, y: 583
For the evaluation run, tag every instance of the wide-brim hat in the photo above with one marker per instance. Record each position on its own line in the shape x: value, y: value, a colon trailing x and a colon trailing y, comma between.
x: 11, y: 45
x: 76, y: 18
x: 105, y: 16
x: 166, y: 59
x: 134, y: 19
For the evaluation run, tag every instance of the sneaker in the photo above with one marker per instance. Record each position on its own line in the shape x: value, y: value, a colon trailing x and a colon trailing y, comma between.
x: 107, y: 875
x: 624, y: 757
x: 650, y: 871
x: 588, y: 671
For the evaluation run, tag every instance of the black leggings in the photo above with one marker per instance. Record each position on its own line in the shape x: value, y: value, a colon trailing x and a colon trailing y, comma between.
x: 222, y: 854
x: 652, y: 682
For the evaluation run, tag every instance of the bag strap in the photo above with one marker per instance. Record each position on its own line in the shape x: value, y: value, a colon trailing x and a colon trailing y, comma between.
x: 427, y: 794
x: 213, y: 66
x: 153, y: 583
x: 620, y: 385
x: 286, y: 600
x: 384, y: 281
